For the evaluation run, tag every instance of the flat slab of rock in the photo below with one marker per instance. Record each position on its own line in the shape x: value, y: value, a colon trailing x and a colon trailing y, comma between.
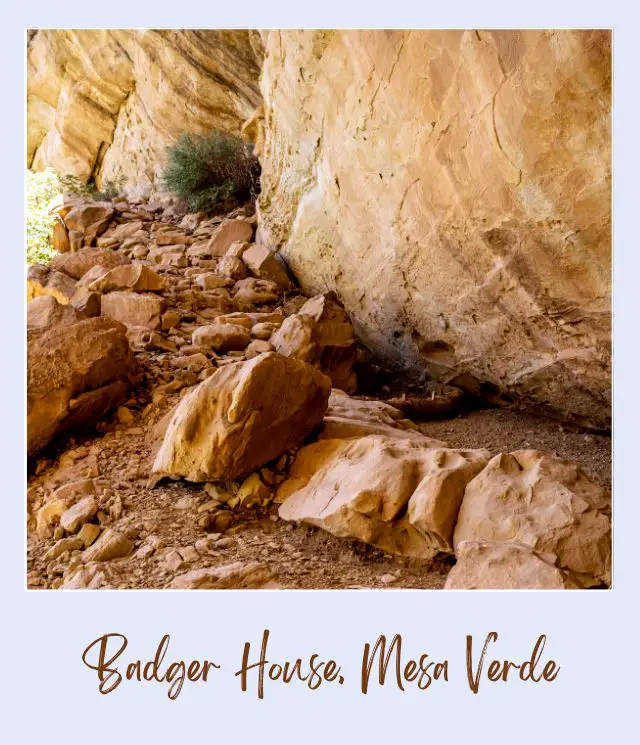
x: 229, y: 232
x: 241, y: 417
x: 78, y: 263
x: 134, y: 309
x: 398, y: 494
x: 264, y: 264
x: 135, y: 277
x: 74, y: 375
x: 351, y: 417
x: 222, y: 336
x: 546, y: 503
x: 234, y: 576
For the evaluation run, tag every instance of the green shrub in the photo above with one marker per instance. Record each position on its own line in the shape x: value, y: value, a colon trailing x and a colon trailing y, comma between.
x: 209, y: 170
x: 42, y: 189
x: 110, y: 188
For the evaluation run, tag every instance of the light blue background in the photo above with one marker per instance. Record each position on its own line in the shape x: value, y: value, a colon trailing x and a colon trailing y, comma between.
x: 51, y: 697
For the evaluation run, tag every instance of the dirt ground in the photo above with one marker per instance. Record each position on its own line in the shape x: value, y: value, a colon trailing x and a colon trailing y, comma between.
x: 164, y: 524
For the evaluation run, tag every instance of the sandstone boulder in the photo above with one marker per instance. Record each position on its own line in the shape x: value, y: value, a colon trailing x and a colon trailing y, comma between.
x: 59, y: 237
x: 135, y: 277
x: 495, y: 565
x: 75, y: 374
x: 252, y: 292
x: 231, y: 267
x: 237, y: 576
x: 264, y: 264
x: 398, y: 494
x: 546, y: 503
x: 78, y: 263
x: 86, y: 214
x: 45, y: 311
x: 322, y: 335
x: 229, y: 232
x: 42, y: 280
x: 222, y: 337
x: 243, y: 416
x: 134, y: 309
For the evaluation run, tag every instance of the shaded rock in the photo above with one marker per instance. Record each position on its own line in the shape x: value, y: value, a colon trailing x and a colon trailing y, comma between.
x: 243, y: 416
x: 237, y: 576
x: 59, y: 238
x: 134, y: 309
x: 89, y: 359
x: 264, y: 264
x: 251, y: 292
x: 322, y: 335
x: 221, y: 336
x: 351, y: 417
x: 41, y: 280
x: 45, y: 311
x: 442, y: 401
x: 231, y: 267
x: 78, y: 263
x: 257, y: 347
x: 546, y: 503
x: 87, y: 302
x: 397, y: 494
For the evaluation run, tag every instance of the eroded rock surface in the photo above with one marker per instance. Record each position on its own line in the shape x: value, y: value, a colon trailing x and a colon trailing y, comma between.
x: 453, y: 188
x: 106, y: 103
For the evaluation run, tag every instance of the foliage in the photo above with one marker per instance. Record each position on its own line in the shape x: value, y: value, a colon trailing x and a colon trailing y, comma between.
x: 211, y: 169
x: 42, y: 189
x: 110, y: 188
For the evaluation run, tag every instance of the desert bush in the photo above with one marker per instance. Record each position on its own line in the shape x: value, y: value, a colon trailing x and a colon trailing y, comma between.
x: 206, y: 170
x: 42, y: 189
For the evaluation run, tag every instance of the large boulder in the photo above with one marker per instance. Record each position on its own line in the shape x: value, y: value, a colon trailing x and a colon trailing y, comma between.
x: 222, y: 337
x: 86, y: 214
x: 75, y: 374
x: 495, y: 565
x: 229, y: 232
x: 80, y: 262
x: 42, y: 280
x: 45, y: 311
x: 322, y: 335
x: 134, y: 277
x: 401, y: 495
x: 134, y: 309
x: 243, y: 416
x: 546, y: 503
x: 454, y: 188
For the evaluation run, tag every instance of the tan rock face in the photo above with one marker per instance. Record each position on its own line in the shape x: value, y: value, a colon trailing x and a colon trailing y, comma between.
x: 494, y: 565
x: 243, y: 416
x: 453, y: 188
x: 75, y: 374
x: 397, y: 494
x: 110, y: 101
x: 548, y: 504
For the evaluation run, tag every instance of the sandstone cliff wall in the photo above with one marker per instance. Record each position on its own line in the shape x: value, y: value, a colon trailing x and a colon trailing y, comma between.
x: 106, y: 103
x: 454, y: 189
